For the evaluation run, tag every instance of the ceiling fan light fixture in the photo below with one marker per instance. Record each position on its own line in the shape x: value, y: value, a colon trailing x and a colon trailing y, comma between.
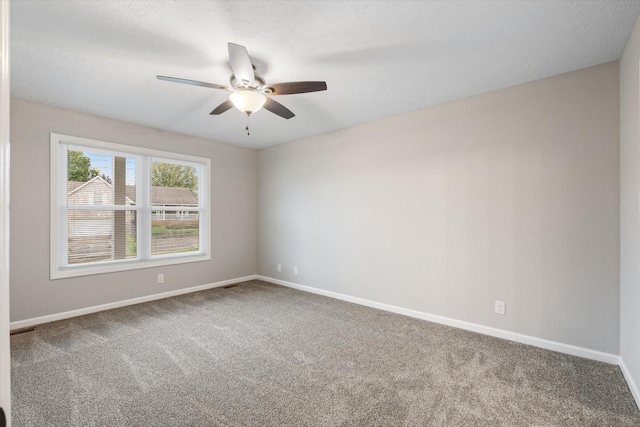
x: 247, y: 101
x: 249, y: 93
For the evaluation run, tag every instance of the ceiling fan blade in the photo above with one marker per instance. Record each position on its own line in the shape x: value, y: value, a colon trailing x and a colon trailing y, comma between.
x: 222, y: 107
x: 192, y: 82
x: 276, y: 108
x: 241, y: 63
x: 297, y: 87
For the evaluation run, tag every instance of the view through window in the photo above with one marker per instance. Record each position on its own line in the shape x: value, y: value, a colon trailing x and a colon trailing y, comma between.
x: 118, y: 207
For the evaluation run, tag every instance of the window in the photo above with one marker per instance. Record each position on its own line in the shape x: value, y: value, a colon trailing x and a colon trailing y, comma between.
x: 117, y: 207
x: 97, y: 198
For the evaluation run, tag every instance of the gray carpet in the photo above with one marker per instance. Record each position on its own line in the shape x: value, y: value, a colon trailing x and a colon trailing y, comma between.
x: 263, y: 355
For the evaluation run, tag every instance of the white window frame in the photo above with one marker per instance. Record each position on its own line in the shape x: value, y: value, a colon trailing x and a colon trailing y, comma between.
x: 58, y: 208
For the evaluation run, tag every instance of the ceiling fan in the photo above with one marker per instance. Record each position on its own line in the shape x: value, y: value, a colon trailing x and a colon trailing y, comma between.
x: 249, y: 91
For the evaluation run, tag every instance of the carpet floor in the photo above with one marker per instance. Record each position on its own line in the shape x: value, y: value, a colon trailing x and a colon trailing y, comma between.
x: 258, y: 354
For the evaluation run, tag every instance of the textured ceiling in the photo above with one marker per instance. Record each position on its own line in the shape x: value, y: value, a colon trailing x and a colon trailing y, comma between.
x: 379, y: 58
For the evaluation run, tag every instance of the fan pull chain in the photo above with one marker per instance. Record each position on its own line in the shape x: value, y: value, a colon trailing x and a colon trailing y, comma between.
x: 247, y: 127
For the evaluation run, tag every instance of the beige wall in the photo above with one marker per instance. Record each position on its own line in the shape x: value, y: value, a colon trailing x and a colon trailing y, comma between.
x: 233, y: 233
x: 629, y: 214
x: 511, y: 195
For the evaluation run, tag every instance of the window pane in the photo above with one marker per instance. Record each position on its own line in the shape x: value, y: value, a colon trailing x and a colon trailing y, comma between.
x: 170, y: 236
x: 175, y: 220
x: 101, y: 235
x: 174, y: 184
x: 100, y: 179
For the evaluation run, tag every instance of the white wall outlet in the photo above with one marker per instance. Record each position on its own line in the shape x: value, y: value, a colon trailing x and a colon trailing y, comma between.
x: 500, y: 307
x: 295, y: 270
x: 161, y: 278
x: 279, y: 268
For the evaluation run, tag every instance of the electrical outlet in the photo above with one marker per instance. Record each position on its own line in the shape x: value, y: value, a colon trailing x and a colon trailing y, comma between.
x: 161, y: 278
x: 279, y: 268
x: 295, y: 270
x: 500, y: 307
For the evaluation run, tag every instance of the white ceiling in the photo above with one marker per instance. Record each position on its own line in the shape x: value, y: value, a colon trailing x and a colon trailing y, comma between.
x: 379, y: 58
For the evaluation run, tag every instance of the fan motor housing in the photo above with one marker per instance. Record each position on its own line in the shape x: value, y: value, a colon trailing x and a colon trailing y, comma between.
x: 258, y: 83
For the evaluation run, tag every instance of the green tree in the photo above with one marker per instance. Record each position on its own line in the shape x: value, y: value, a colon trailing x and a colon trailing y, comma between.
x: 171, y: 175
x: 106, y: 178
x: 79, y: 167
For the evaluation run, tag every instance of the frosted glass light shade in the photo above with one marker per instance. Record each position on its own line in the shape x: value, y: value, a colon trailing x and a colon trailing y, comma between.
x: 247, y: 101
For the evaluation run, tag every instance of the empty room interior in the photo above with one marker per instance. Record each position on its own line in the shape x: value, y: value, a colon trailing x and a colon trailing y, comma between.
x: 373, y: 213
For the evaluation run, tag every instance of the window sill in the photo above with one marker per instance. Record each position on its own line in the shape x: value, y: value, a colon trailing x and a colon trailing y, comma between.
x: 125, y: 265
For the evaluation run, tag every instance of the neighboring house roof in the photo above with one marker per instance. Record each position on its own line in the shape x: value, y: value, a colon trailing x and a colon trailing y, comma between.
x: 172, y: 196
x: 75, y: 186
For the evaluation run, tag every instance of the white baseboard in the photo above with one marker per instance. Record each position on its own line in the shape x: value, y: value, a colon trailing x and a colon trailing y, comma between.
x: 88, y: 310
x: 632, y: 384
x: 486, y: 330
x: 500, y: 333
